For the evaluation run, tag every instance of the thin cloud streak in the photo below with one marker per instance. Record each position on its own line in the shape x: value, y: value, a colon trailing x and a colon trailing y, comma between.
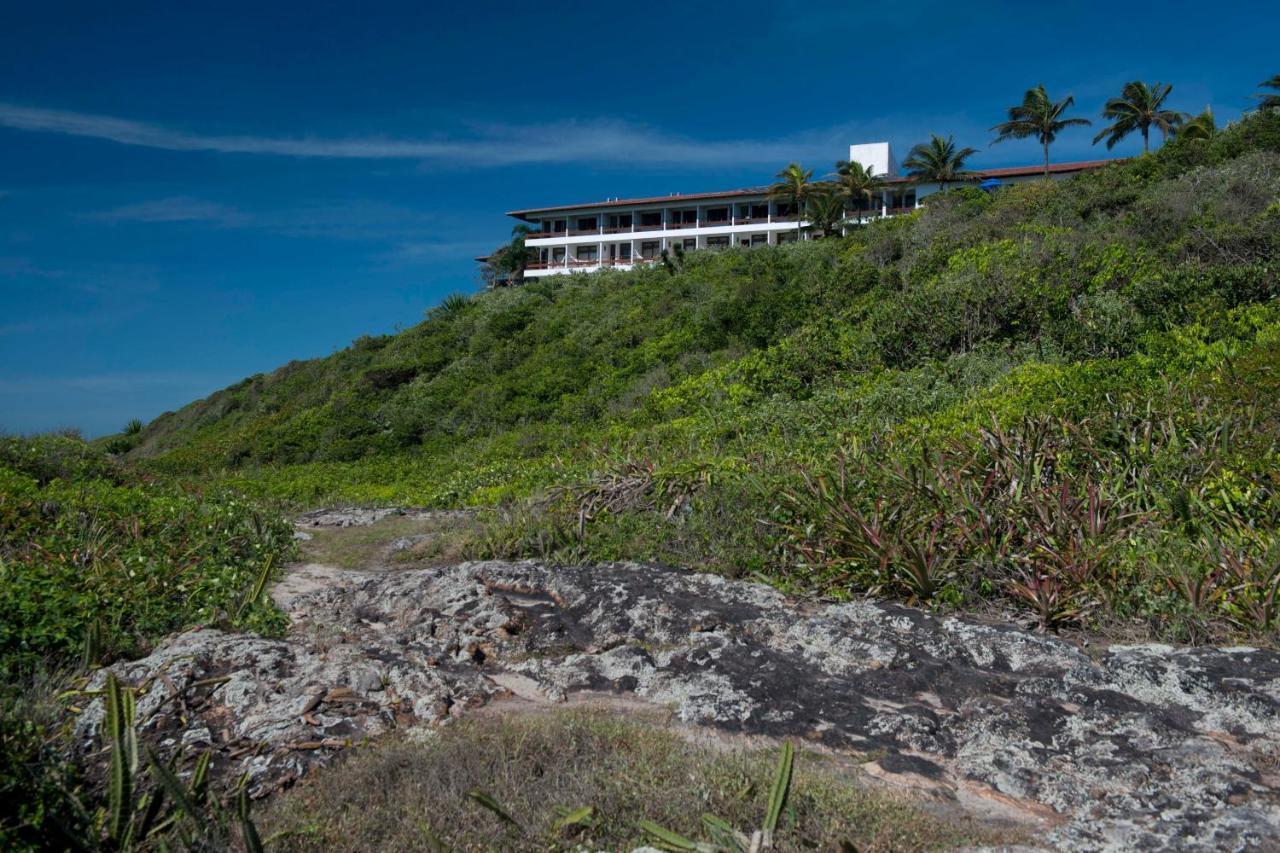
x: 175, y: 209
x: 603, y: 141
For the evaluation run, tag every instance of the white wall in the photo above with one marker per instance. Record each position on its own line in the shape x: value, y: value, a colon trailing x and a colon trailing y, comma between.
x: 877, y: 155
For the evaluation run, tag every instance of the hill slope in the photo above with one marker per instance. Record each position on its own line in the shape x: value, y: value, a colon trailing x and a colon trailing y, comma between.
x: 1058, y: 397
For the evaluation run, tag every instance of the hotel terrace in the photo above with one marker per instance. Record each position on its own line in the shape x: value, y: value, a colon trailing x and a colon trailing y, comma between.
x: 620, y: 233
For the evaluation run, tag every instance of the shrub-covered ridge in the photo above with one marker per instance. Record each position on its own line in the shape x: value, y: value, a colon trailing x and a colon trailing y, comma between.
x: 972, y: 374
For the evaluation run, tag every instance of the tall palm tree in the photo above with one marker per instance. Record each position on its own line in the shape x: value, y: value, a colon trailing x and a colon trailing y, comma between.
x: 1202, y: 128
x: 1140, y: 107
x: 939, y: 161
x: 1269, y: 102
x: 794, y: 185
x: 825, y: 211
x: 857, y: 183
x: 1040, y: 116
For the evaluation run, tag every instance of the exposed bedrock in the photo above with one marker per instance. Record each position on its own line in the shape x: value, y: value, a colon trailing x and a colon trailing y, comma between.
x: 1142, y: 747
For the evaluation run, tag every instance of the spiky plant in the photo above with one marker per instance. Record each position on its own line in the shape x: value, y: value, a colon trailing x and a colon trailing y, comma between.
x: 1038, y: 116
x: 939, y: 161
x: 1138, y: 109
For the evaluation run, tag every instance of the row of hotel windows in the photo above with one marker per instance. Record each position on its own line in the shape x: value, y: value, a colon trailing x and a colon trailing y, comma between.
x: 676, y: 218
x: 689, y: 216
x: 651, y: 249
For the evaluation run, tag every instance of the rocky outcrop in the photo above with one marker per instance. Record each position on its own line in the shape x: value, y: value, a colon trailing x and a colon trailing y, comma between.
x: 1138, y: 747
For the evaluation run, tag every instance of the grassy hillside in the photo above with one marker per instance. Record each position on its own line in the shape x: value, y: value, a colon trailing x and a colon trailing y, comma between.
x: 1057, y: 397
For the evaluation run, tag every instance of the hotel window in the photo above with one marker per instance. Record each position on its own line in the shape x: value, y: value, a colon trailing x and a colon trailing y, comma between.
x: 559, y: 225
x: 649, y: 249
x: 784, y: 209
x: 587, y: 223
x: 760, y: 211
x: 717, y: 214
x: 718, y: 242
x: 684, y: 217
x: 557, y: 254
x: 587, y: 253
x: 759, y: 239
x: 620, y: 220
x: 651, y: 218
x: 624, y: 252
x: 690, y: 243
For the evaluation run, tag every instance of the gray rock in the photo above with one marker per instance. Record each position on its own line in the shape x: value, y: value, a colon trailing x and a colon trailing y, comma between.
x: 1146, y: 747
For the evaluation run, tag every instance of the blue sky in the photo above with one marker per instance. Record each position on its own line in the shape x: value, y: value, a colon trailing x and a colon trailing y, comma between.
x: 194, y: 192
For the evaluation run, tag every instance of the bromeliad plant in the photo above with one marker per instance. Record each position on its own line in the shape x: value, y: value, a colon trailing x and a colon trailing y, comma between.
x: 164, y: 812
x: 1009, y: 512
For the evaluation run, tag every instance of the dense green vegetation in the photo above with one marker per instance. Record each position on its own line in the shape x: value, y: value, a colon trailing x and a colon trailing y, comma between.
x: 1056, y: 397
x: 95, y: 560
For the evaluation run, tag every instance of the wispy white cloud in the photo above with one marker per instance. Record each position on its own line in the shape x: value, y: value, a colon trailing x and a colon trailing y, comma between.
x: 595, y: 141
x: 176, y: 209
x: 345, y: 219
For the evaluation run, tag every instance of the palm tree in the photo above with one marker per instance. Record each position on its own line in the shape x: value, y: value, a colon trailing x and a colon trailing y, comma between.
x: 825, y: 211
x: 794, y: 185
x: 1202, y: 128
x: 1040, y: 116
x: 508, y: 263
x: 857, y: 183
x: 1270, y: 102
x: 1139, y: 107
x: 938, y: 160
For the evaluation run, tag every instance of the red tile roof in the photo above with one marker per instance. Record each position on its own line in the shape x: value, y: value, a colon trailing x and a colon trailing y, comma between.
x: 679, y: 198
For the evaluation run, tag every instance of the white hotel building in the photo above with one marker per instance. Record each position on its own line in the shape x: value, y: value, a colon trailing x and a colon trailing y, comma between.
x: 620, y: 233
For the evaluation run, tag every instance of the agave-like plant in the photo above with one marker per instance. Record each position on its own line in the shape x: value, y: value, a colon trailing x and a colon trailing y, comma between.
x: 170, y: 810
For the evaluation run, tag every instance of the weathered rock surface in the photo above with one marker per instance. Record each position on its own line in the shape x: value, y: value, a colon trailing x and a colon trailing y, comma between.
x: 1144, y: 747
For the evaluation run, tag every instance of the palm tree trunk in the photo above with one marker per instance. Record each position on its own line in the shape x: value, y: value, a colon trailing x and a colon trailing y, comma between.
x: 1145, y: 132
x: 1046, y: 161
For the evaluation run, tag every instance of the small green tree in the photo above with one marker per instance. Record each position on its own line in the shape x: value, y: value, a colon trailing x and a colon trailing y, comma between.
x: 939, y: 161
x: 1201, y: 128
x: 1139, y: 108
x: 1038, y: 116
x: 825, y: 212
x: 794, y: 185
x: 508, y: 263
x: 857, y: 183
x: 1269, y: 101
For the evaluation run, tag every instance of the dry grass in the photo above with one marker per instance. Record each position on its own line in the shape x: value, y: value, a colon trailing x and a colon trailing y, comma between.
x: 444, y: 536
x: 397, y: 794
